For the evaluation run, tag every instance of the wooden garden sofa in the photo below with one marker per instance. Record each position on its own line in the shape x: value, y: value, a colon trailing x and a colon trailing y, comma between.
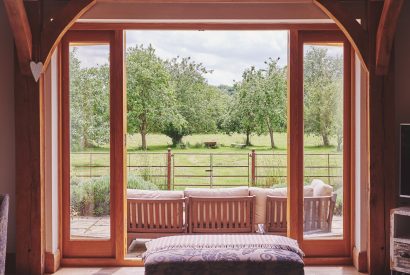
x: 318, y: 207
x: 220, y: 210
x: 153, y: 214
x: 221, y: 214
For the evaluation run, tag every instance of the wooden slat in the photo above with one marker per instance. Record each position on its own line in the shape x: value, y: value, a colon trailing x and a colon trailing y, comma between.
x: 20, y: 27
x: 385, y: 34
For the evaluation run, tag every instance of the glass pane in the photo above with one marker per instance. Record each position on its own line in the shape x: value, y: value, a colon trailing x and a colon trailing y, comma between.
x: 323, y: 141
x: 208, y: 110
x: 89, y: 142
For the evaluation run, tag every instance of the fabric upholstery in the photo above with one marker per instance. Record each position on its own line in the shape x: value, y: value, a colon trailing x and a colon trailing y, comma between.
x: 154, y: 194
x: 217, y: 192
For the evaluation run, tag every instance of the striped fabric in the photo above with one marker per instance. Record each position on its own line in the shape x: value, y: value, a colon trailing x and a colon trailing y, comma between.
x: 237, y: 241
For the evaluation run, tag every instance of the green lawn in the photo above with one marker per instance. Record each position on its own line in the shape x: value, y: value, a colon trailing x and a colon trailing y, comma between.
x: 320, y: 162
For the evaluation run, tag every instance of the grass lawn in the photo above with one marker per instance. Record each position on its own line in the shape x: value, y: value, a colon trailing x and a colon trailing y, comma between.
x: 320, y: 162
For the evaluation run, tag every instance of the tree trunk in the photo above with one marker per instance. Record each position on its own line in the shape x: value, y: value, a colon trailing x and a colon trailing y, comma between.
x: 248, y: 138
x: 143, y: 132
x: 272, y: 140
x: 176, y: 140
x: 325, y: 140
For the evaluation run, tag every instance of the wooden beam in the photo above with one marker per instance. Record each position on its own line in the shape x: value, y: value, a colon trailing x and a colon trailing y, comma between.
x: 351, y: 28
x: 377, y: 128
x: 385, y: 34
x: 56, y: 27
x: 20, y: 26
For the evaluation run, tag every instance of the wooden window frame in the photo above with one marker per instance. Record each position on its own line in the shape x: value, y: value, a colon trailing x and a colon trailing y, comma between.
x: 317, y: 251
x: 338, y: 249
x: 94, y: 248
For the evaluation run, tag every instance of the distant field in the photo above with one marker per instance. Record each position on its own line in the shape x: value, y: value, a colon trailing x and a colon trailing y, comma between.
x: 191, y: 165
x: 158, y: 142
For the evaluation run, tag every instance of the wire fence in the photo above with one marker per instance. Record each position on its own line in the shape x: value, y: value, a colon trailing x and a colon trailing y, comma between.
x: 179, y: 170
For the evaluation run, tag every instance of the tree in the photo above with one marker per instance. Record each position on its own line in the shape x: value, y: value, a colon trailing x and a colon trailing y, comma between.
x: 151, y: 101
x: 241, y: 116
x: 271, y: 100
x: 259, y: 104
x: 323, y: 93
x: 89, y: 104
x: 198, y: 105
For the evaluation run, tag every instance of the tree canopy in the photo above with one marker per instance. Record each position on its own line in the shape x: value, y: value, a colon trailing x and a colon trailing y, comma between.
x: 323, y: 94
x: 173, y: 97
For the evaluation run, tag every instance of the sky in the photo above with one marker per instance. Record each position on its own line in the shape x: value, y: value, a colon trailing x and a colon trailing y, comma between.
x: 226, y: 53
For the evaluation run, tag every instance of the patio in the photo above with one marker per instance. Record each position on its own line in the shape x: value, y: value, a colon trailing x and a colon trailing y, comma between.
x: 99, y: 228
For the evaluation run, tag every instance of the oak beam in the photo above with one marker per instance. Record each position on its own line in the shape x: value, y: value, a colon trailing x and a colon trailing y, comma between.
x: 351, y: 28
x: 385, y: 34
x: 20, y: 27
x: 56, y: 27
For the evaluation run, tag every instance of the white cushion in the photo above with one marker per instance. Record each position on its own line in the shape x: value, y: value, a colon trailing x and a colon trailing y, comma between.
x: 321, y: 189
x: 283, y: 191
x: 217, y: 192
x: 154, y: 194
x: 260, y: 197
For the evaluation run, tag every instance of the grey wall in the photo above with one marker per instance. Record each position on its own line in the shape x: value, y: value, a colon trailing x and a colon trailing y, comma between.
x: 402, y: 70
x: 7, y: 155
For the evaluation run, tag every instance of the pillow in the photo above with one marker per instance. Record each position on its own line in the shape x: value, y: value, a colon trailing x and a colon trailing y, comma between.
x: 154, y: 194
x: 260, y: 198
x: 283, y: 191
x: 321, y: 189
x: 217, y: 192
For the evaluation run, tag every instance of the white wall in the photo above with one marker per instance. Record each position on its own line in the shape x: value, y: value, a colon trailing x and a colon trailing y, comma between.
x: 7, y: 154
x: 361, y: 164
x: 51, y: 154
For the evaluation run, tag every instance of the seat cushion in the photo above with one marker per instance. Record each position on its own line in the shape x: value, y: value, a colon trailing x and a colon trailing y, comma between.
x: 217, y: 192
x: 154, y: 194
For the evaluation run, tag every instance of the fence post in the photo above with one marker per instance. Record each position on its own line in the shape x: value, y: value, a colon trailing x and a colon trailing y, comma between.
x: 169, y: 159
x: 328, y: 168
x: 253, y: 167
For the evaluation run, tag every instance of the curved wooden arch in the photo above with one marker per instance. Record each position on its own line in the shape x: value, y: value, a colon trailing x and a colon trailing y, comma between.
x: 55, y: 29
x: 354, y: 32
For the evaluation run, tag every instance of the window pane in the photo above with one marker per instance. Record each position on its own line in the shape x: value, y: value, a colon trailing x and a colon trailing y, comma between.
x: 323, y: 141
x: 89, y: 142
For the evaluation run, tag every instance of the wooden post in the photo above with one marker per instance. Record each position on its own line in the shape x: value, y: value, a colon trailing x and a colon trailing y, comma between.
x: 169, y: 160
x: 253, y: 167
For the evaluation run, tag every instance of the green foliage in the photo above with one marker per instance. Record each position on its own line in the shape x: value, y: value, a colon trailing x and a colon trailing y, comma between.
x: 89, y: 104
x: 151, y: 100
x: 323, y: 92
x: 91, y: 197
x: 199, y: 105
x: 259, y: 104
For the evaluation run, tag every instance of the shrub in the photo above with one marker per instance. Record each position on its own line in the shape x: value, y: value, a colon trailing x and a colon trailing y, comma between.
x: 91, y: 197
x: 136, y: 182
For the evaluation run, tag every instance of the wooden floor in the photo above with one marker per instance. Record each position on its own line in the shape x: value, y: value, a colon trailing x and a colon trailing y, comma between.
x: 310, y: 270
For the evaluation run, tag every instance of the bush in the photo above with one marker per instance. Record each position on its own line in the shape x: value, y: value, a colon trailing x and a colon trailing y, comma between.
x: 91, y: 197
x: 136, y: 182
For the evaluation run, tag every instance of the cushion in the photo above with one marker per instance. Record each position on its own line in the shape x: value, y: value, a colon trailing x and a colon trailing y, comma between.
x: 321, y: 189
x: 260, y: 198
x: 283, y: 191
x: 217, y: 192
x: 154, y: 194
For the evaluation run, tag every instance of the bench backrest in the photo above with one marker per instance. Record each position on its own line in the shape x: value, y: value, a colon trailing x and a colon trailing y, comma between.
x: 156, y: 215
x: 221, y: 214
x: 317, y: 213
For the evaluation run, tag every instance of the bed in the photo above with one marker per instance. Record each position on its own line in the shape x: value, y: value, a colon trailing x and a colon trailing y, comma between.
x: 223, y: 254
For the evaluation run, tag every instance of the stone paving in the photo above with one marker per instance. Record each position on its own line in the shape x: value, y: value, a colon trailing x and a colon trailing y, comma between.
x: 99, y: 228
